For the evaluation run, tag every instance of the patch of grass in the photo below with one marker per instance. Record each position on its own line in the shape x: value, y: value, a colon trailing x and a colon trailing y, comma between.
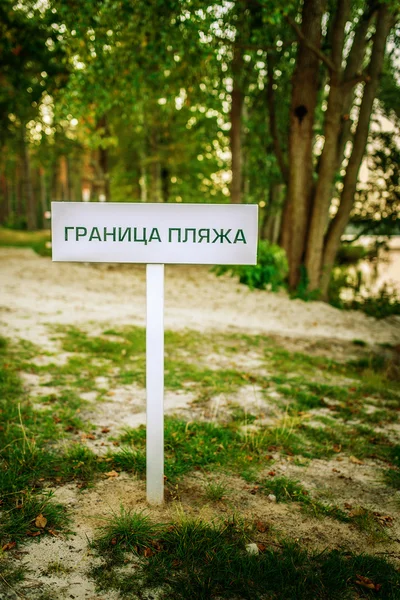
x: 78, y: 462
x: 288, y: 490
x: 195, y: 559
x: 31, y: 454
x: 120, y: 356
x: 392, y: 478
x: 10, y: 576
x: 56, y: 568
x: 124, y: 362
x: 195, y: 445
x: 285, y: 490
x: 216, y: 491
x: 126, y: 530
x: 360, y: 441
x: 360, y: 343
x: 203, y: 445
x: 37, y: 240
x: 380, y: 416
x: 20, y: 523
x: 349, y: 401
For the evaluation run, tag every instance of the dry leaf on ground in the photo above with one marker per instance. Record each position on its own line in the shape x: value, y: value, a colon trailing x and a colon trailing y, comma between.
x: 261, y: 527
x: 356, y: 461
x: 111, y: 474
x: 9, y: 546
x: 41, y: 521
x: 368, y: 583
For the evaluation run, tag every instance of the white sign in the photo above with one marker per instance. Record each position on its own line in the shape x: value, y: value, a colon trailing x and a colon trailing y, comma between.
x: 155, y: 234
x: 205, y: 234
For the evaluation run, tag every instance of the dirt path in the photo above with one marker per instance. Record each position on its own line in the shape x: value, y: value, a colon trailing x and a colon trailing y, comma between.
x: 34, y: 291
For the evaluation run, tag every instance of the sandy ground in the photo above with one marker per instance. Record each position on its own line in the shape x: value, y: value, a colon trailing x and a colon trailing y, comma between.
x: 34, y: 291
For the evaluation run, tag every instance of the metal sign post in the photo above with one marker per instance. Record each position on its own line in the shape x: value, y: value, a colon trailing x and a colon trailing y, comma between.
x: 155, y: 234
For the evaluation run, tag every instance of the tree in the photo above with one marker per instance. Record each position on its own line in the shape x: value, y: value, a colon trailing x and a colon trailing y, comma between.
x: 310, y: 236
x: 31, y: 63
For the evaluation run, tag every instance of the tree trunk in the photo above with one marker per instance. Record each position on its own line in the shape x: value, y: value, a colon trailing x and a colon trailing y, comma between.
x: 104, y: 169
x: 143, y: 181
x: 154, y: 171
x: 304, y: 98
x: 155, y: 181
x: 27, y: 186
x: 327, y: 162
x: 4, y: 207
x: 339, y: 222
x: 165, y: 177
x: 63, y: 178
x: 236, y: 127
x: 272, y: 221
x: 273, y: 124
x: 353, y: 69
x: 43, y: 194
x: 18, y: 206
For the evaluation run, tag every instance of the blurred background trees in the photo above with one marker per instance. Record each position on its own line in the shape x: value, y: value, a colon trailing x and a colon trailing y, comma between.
x: 294, y: 107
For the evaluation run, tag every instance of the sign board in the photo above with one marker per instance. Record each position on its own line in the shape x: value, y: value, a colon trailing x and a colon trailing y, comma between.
x: 205, y: 234
x: 155, y: 234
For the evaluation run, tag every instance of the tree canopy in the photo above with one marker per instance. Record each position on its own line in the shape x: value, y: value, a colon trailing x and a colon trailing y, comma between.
x: 187, y: 101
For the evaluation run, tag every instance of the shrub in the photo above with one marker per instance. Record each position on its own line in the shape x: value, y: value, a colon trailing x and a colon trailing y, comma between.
x: 346, y: 292
x: 385, y: 303
x: 269, y: 272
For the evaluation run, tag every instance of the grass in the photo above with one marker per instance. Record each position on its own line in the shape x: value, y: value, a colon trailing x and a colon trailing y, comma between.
x: 37, y: 240
x: 368, y: 395
x: 39, y: 446
x: 216, y: 491
x: 10, y: 575
x: 288, y: 490
x: 127, y: 530
x: 193, y: 558
x: 197, y: 445
x: 30, y: 454
x: 392, y: 478
x: 57, y: 568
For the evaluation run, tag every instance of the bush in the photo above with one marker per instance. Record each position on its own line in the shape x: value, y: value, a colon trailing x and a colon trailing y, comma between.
x: 269, y: 272
x: 349, y: 254
x: 302, y: 292
x: 384, y: 303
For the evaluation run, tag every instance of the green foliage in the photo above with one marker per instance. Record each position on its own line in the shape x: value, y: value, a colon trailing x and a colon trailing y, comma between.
x: 195, y: 559
x: 350, y: 254
x: 360, y: 343
x: 346, y: 291
x: 392, y: 478
x: 39, y: 241
x: 385, y: 303
x: 285, y: 490
x: 302, y: 291
x: 269, y: 273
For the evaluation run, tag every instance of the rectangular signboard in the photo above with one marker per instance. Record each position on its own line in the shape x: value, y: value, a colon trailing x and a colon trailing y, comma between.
x: 155, y: 233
